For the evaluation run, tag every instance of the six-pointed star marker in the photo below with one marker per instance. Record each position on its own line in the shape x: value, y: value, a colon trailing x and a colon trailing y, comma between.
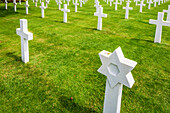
x: 117, y: 68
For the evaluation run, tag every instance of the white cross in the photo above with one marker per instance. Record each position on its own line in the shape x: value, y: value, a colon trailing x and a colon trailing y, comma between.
x: 59, y: 4
x: 141, y: 5
x: 68, y: 2
x: 100, y: 15
x: 159, y: 2
x: 118, y: 69
x: 47, y: 2
x: 6, y: 6
x: 97, y: 6
x: 26, y: 5
x: 149, y: 4
x: 80, y: 3
x: 25, y: 36
x: 42, y: 9
x: 33, y: 1
x: 65, y: 10
x: 121, y: 2
x: 111, y: 2
x: 136, y: 2
x: 127, y: 8
x: 155, y: 1
x: 36, y: 3
x: 20, y: 2
x: 40, y: 1
x: 159, y: 23
x: 168, y: 13
x: 116, y: 3
x: 56, y: 1
x: 63, y: 1
x: 128, y: 1
x: 76, y: 4
x: 15, y: 5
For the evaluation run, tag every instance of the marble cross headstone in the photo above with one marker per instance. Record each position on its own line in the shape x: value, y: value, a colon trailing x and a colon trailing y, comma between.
x: 68, y: 2
x: 149, y: 4
x: 111, y: 2
x: 159, y: 2
x: 25, y: 36
x: 26, y: 5
x: 76, y: 4
x: 20, y: 2
x: 121, y: 2
x: 155, y: 1
x: 65, y: 10
x: 56, y: 1
x: 141, y: 5
x: 97, y: 6
x: 128, y: 1
x: 118, y: 69
x: 159, y: 23
x: 46, y: 2
x: 116, y: 3
x: 15, y: 5
x: 59, y: 4
x: 6, y: 6
x: 127, y: 8
x: 168, y: 13
x: 42, y: 9
x: 36, y: 3
x: 80, y: 3
x: 136, y: 2
x: 40, y: 1
x: 100, y: 15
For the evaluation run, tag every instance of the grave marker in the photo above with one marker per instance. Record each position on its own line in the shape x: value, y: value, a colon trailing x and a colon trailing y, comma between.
x: 141, y: 5
x: 118, y: 69
x: 42, y: 9
x: 168, y: 13
x: 76, y: 4
x: 25, y: 36
x: 159, y: 23
x: 149, y: 4
x: 127, y: 8
x: 26, y: 5
x: 65, y: 10
x: 6, y: 4
x: 36, y: 3
x: 116, y: 3
x: 59, y: 4
x: 15, y: 5
x: 100, y: 15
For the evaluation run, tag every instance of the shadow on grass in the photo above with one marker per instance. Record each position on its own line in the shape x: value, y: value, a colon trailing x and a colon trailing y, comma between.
x: 71, y: 106
x: 143, y: 40
x: 11, y: 54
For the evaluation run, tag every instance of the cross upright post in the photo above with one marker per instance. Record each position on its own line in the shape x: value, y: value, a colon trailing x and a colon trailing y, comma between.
x: 26, y: 5
x: 159, y: 23
x: 36, y: 3
x: 76, y: 4
x: 168, y: 13
x: 116, y: 3
x: 65, y: 10
x: 25, y: 36
x: 149, y: 4
x: 100, y: 15
x: 127, y: 8
x: 42, y: 9
x: 141, y: 6
x: 6, y: 6
x: 15, y: 5
x: 155, y: 1
x: 59, y: 4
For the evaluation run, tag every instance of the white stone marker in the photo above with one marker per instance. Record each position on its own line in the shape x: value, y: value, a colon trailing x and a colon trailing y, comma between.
x: 36, y: 3
x: 42, y: 9
x: 20, y: 2
x: 40, y: 1
x: 121, y: 2
x: 100, y: 15
x: 155, y: 1
x: 149, y: 4
x: 25, y: 36
x: 15, y: 5
x: 56, y: 1
x: 63, y: 1
x: 159, y: 23
x: 97, y: 6
x: 168, y: 13
x: 46, y: 2
x: 111, y: 2
x: 73, y: 1
x: 80, y: 3
x: 159, y: 2
x: 6, y: 4
x: 136, y: 2
x: 33, y: 1
x: 141, y: 5
x: 68, y: 2
x: 127, y: 8
x: 26, y: 5
x: 128, y: 1
x: 116, y: 3
x: 76, y: 4
x: 65, y: 10
x: 118, y: 69
x: 59, y: 4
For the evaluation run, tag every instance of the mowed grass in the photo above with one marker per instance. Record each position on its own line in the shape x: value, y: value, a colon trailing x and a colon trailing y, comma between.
x: 64, y: 59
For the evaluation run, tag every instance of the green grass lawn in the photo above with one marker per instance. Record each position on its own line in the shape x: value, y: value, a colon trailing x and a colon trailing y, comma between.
x: 64, y: 59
